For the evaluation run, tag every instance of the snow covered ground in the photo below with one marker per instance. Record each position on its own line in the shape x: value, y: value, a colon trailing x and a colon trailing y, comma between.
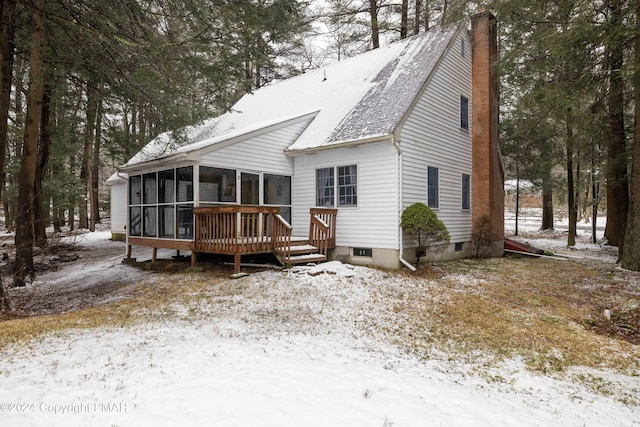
x: 294, y: 348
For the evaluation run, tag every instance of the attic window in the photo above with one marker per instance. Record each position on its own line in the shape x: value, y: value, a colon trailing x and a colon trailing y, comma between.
x: 462, y: 48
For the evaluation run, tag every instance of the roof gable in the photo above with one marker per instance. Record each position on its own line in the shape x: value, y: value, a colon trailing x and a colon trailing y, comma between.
x: 396, y: 87
x: 359, y: 98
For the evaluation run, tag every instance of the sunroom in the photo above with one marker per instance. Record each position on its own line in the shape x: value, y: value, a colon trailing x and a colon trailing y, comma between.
x: 210, y: 209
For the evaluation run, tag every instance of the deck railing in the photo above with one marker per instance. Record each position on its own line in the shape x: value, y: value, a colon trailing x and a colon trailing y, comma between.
x: 323, y: 226
x: 240, y: 229
x: 234, y: 229
x: 319, y: 234
x: 282, y: 232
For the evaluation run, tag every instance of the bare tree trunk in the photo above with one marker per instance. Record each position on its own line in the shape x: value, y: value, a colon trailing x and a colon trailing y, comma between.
x: 630, y: 259
x: 594, y: 197
x: 95, y: 175
x: 24, y: 228
x: 577, y: 190
x: 404, y: 19
x: 57, y: 220
x: 71, y: 215
x: 4, y: 116
x: 445, y: 9
x: 517, y: 199
x: 142, y: 126
x: 427, y: 15
x: 417, y: 17
x: 617, y: 184
x: 10, y: 201
x: 7, y: 15
x: 41, y: 210
x: 571, y: 196
x: 134, y: 122
x: 375, y: 28
x: 547, y: 203
x: 87, y: 156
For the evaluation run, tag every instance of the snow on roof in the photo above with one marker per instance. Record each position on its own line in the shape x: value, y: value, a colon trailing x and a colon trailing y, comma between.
x: 117, y: 177
x: 359, y: 98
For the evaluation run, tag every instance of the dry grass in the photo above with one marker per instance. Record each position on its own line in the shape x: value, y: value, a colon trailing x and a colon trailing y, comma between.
x: 549, y: 313
x: 543, y: 311
x: 153, y: 300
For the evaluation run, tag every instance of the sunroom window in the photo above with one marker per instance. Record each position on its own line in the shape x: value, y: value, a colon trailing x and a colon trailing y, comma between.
x: 277, y: 191
x: 217, y: 185
x: 153, y: 208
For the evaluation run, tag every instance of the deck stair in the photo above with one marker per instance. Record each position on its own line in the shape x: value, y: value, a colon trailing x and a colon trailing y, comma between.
x: 292, y: 250
x: 245, y: 230
x: 301, y: 252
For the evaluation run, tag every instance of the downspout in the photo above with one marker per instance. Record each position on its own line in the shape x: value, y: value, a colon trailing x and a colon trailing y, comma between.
x: 399, y: 205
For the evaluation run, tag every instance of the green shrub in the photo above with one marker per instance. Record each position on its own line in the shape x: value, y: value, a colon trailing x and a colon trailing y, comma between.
x: 423, y: 227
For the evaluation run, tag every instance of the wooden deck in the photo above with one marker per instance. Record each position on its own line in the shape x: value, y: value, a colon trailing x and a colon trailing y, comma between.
x: 242, y: 230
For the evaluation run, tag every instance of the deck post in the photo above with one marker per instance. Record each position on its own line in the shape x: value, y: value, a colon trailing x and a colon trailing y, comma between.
x: 236, y: 262
x: 193, y: 258
x: 129, y: 251
x: 154, y: 254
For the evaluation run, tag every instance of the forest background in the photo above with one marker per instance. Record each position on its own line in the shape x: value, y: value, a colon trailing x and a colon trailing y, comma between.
x: 86, y: 83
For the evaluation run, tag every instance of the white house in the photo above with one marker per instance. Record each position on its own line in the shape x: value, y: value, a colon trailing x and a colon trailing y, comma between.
x: 365, y: 137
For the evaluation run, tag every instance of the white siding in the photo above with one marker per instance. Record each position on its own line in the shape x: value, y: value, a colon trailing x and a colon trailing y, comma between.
x: 431, y: 136
x: 262, y: 153
x: 374, y: 222
x: 118, y: 207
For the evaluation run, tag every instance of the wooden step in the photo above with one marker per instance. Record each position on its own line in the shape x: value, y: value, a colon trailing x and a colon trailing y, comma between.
x: 299, y: 250
x: 299, y: 241
x: 307, y: 258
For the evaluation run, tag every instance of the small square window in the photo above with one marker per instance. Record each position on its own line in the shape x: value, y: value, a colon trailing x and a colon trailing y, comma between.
x: 363, y: 252
x: 459, y: 246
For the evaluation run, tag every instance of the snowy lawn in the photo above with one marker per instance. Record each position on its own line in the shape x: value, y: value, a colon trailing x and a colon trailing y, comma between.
x: 331, y: 345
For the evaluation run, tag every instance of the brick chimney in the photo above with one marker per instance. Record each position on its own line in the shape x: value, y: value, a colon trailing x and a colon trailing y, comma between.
x: 487, y: 169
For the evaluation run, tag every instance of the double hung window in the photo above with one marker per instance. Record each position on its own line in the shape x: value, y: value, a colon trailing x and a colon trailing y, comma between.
x: 341, y: 181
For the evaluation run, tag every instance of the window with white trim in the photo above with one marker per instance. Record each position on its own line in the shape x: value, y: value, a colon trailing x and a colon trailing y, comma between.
x: 464, y: 112
x: 433, y: 187
x: 325, y: 184
x: 466, y: 191
x: 340, y: 180
x: 348, y: 185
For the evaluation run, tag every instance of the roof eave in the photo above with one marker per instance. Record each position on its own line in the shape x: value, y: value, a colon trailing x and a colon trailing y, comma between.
x: 195, y: 155
x: 342, y: 144
x: 148, y: 164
